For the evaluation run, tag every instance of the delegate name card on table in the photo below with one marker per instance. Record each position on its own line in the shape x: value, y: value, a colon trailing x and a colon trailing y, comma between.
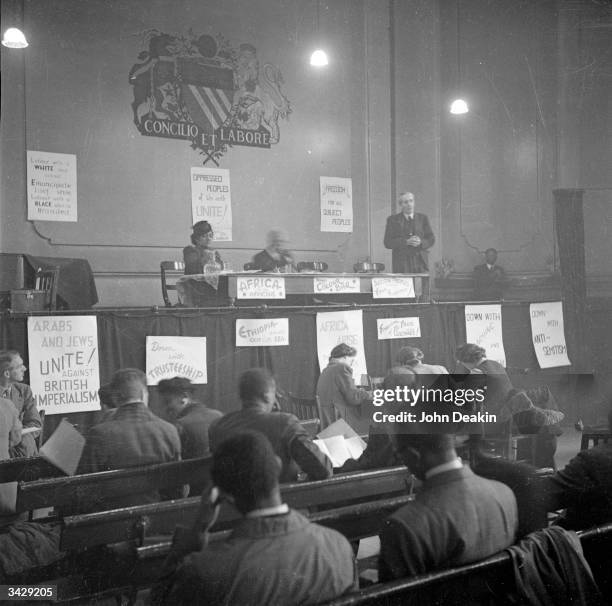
x: 393, y: 288
x: 548, y: 334
x: 483, y: 326
x: 336, y: 285
x: 260, y: 287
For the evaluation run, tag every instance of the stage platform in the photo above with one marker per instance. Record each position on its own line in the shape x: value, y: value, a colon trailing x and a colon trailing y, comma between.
x: 122, y: 334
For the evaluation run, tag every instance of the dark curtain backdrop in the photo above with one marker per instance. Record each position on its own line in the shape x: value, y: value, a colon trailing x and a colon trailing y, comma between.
x: 121, y: 338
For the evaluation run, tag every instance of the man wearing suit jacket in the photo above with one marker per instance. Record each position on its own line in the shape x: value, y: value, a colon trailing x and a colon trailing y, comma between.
x: 456, y: 518
x: 409, y: 236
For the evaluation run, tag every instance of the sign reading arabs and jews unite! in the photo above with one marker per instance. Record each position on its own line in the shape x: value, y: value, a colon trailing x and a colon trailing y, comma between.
x: 64, y: 367
x: 483, y: 326
x: 52, y: 186
x: 548, y: 334
x: 169, y: 357
x: 336, y: 204
x: 258, y: 332
x: 398, y: 328
x: 211, y: 200
x: 337, y: 327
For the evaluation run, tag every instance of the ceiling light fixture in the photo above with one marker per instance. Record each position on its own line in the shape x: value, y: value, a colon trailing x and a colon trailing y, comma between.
x: 14, y: 38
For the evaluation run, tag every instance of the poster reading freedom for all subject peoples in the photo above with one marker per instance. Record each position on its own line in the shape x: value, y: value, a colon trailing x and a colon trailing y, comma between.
x: 169, y: 357
x: 52, y: 186
x: 548, y: 334
x: 211, y: 200
x: 337, y: 327
x: 64, y: 367
x: 336, y: 204
x: 483, y: 326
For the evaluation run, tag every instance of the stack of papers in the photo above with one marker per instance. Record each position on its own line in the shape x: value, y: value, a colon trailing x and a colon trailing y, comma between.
x: 340, y: 442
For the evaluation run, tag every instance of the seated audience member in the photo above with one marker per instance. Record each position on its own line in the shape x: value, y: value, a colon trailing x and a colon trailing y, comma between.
x: 191, y: 418
x: 133, y: 436
x: 489, y: 278
x: 275, y: 255
x: 412, y: 357
x: 456, y: 518
x: 23, y: 545
x: 583, y: 487
x: 12, y: 370
x: 289, y: 439
x: 338, y: 395
x: 273, y: 556
x: 108, y: 402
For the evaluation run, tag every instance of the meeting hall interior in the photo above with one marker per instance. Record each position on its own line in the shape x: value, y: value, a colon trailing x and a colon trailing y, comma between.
x: 306, y: 302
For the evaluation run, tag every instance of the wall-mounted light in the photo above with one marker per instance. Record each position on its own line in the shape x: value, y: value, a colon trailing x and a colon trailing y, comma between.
x: 14, y: 38
x: 319, y: 56
x: 459, y: 106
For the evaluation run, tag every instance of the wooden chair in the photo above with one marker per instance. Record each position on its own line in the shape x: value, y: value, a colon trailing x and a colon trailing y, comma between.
x: 46, y: 281
x: 174, y: 267
x: 307, y: 410
x: 312, y: 266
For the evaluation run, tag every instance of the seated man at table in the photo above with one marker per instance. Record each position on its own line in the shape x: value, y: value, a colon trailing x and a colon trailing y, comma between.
x: 273, y: 556
x: 289, y: 439
x: 12, y: 370
x: 275, y: 255
x: 133, y: 436
x: 456, y: 518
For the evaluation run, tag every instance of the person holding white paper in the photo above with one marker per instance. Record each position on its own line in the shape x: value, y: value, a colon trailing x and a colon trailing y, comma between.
x: 338, y: 395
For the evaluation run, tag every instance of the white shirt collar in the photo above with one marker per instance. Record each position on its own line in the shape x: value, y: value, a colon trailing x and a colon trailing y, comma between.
x: 268, y: 511
x: 489, y: 266
x: 434, y: 471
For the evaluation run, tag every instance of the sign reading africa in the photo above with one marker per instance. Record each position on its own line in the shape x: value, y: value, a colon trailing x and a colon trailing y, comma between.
x: 260, y: 287
x: 201, y: 89
x: 64, y: 367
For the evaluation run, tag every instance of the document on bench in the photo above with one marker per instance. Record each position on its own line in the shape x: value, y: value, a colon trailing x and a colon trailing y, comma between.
x: 340, y: 442
x: 63, y: 449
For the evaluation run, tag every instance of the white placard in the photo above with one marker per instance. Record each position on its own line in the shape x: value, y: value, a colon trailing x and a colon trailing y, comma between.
x: 257, y: 332
x: 336, y: 204
x: 52, y: 186
x: 64, y: 367
x: 483, y: 326
x: 338, y: 284
x: 548, y: 335
x: 169, y: 357
x: 337, y: 327
x: 398, y: 328
x: 260, y: 287
x: 393, y: 288
x: 211, y: 200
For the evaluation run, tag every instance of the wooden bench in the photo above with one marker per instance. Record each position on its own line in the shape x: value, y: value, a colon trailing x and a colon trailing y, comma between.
x: 88, y: 492
x: 28, y: 469
x: 469, y: 584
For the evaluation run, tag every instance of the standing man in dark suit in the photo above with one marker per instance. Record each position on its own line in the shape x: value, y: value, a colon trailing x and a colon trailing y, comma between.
x: 409, y: 236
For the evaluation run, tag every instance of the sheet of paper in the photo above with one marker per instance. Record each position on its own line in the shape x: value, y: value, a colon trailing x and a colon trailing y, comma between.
x: 355, y: 446
x: 339, y: 453
x: 63, y: 449
x: 337, y: 428
x: 323, y: 448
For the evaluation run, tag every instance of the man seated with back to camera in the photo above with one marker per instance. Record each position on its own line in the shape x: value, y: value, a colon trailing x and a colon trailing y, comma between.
x: 456, y: 518
x: 289, y: 439
x: 131, y: 437
x: 273, y: 556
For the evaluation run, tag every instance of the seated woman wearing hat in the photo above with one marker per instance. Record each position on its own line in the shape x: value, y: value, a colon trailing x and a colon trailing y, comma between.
x: 200, y: 258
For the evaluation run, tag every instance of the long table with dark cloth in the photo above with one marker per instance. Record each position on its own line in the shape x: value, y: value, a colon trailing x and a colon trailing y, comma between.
x: 300, y: 288
x: 122, y: 335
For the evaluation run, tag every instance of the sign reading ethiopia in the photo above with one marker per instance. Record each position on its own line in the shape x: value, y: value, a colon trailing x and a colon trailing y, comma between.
x: 201, y: 89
